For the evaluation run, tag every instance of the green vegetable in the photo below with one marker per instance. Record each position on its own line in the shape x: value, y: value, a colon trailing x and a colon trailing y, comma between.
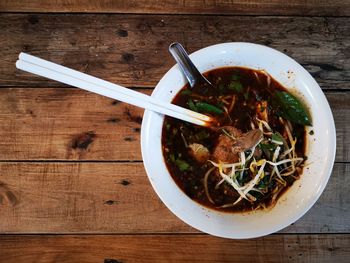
x: 245, y: 178
x: 220, y: 104
x: 186, y: 92
x: 172, y: 157
x: 265, y: 182
x: 221, y: 87
x: 246, y: 95
x: 201, y: 135
x: 258, y: 97
x: 206, y: 107
x: 277, y: 138
x: 183, y: 166
x: 235, y: 77
x: 203, y: 107
x: 205, y: 89
x: 174, y: 131
x: 191, y: 105
x: 291, y: 108
x: 268, y: 149
x: 235, y: 86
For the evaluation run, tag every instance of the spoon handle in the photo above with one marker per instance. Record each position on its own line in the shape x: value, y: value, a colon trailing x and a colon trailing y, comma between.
x: 188, y: 68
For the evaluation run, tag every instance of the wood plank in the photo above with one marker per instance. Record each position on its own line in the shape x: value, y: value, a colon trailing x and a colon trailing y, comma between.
x: 67, y: 124
x: 174, y: 248
x: 83, y: 198
x: 341, y: 114
x: 118, y: 198
x: 70, y: 124
x: 132, y: 50
x: 241, y: 7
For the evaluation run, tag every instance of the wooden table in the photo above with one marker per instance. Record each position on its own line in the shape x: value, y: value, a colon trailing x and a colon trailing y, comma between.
x: 72, y: 184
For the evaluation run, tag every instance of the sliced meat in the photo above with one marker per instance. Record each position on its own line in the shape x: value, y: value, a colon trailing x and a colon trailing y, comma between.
x: 228, y: 147
x: 231, y: 130
x: 249, y: 139
x: 199, y: 152
x: 223, y: 151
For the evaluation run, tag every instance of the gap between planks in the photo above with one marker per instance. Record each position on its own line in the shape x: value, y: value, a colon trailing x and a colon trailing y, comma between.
x: 245, y: 7
x: 174, y: 248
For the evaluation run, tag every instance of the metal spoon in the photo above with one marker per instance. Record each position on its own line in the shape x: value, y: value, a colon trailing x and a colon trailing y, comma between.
x: 190, y: 71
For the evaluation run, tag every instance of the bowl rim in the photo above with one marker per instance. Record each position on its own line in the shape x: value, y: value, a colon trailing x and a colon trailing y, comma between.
x: 327, y: 171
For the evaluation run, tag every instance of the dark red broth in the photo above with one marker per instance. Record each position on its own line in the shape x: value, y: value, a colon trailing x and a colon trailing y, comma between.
x: 249, y: 87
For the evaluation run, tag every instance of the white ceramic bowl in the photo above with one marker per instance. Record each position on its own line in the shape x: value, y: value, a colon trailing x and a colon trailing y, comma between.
x: 320, y: 149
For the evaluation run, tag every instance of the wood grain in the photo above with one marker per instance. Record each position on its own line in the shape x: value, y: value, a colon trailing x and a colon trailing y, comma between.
x: 55, y: 123
x: 132, y: 50
x: 170, y: 248
x: 82, y: 198
x: 70, y: 160
x: 67, y: 124
x: 245, y: 7
x: 118, y: 198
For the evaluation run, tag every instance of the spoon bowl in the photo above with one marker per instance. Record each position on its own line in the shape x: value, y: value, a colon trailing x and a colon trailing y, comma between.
x: 192, y: 74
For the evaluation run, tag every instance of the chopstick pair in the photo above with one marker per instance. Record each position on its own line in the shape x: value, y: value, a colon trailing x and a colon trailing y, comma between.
x: 81, y: 80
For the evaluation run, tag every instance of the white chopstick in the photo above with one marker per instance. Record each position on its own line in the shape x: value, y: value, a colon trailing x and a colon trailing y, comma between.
x: 75, y: 78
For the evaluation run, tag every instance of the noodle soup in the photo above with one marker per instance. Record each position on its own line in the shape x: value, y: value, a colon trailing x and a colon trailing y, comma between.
x: 253, y: 153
